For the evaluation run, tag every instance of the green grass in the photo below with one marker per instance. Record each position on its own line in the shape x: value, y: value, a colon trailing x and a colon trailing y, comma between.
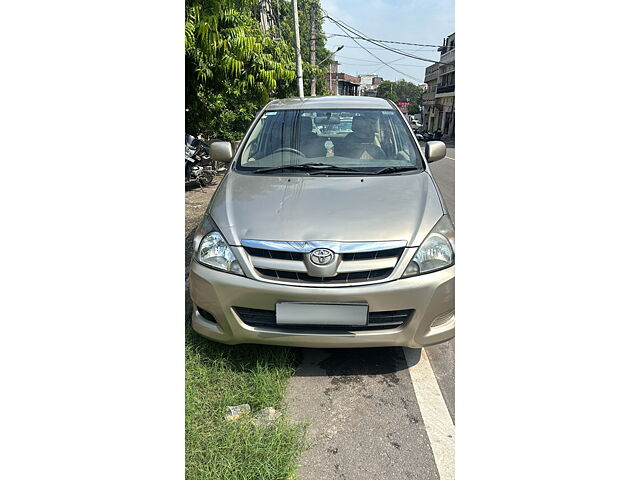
x: 219, y: 375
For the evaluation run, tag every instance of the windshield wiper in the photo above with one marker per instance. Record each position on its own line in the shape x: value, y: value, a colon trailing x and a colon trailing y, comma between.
x: 307, y: 167
x: 394, y: 169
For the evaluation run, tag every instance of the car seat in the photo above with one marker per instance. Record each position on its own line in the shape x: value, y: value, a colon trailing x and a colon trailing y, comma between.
x: 362, y: 142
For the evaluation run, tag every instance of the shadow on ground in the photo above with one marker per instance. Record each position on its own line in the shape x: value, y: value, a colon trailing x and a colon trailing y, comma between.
x: 350, y: 361
x: 192, y: 185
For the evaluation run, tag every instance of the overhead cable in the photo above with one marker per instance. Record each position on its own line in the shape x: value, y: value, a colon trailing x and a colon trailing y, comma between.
x: 351, y: 31
x: 387, y: 41
x: 375, y: 56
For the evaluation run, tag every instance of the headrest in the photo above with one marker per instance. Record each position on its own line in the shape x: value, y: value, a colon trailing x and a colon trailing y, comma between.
x: 306, y: 125
x: 362, y: 126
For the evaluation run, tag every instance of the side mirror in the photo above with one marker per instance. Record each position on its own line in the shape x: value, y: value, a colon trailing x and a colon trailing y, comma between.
x: 435, y: 151
x: 221, y: 152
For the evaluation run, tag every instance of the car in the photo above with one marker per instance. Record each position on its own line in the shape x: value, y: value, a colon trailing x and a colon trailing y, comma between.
x: 326, y: 240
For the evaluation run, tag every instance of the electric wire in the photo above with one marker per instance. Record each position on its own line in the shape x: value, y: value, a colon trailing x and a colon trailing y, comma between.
x: 351, y: 31
x: 375, y: 62
x: 387, y: 41
x: 375, y: 56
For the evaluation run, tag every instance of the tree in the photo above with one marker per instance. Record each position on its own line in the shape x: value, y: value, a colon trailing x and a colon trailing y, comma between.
x: 304, y: 18
x: 385, y: 90
x: 231, y: 67
x: 401, y: 91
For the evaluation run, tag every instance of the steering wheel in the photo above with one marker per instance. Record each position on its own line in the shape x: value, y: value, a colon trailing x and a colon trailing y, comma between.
x: 289, y: 149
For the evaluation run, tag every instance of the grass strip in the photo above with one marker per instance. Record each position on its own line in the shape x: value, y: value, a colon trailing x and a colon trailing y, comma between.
x: 219, y: 375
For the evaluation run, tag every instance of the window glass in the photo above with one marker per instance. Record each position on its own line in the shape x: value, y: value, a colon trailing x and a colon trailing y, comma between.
x: 365, y: 140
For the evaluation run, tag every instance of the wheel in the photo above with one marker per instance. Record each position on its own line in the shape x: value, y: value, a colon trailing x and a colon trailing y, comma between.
x: 206, y: 178
x: 218, y: 168
x: 289, y: 149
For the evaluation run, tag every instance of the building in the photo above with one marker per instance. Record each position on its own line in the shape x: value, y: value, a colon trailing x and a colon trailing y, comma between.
x: 430, y: 113
x: 369, y: 84
x: 439, y: 99
x: 342, y: 83
x: 348, y: 85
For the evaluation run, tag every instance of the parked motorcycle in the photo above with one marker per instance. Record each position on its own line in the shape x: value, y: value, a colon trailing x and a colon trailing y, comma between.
x: 197, y: 163
x: 437, y: 135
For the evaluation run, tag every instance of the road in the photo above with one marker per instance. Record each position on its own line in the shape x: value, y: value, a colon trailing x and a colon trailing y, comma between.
x: 365, y: 419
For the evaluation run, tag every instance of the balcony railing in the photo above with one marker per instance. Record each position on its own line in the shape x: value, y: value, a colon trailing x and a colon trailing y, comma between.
x: 445, y: 88
x: 449, y: 56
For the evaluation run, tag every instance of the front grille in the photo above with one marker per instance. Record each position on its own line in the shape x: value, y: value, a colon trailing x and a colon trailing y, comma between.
x: 394, y: 252
x: 352, y: 277
x: 376, y: 321
x: 277, y: 254
x: 290, y: 267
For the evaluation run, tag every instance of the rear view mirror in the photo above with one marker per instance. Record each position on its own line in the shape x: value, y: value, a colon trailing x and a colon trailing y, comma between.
x: 435, y: 151
x: 221, y: 152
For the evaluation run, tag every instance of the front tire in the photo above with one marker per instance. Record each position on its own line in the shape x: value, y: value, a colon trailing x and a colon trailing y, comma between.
x: 206, y: 178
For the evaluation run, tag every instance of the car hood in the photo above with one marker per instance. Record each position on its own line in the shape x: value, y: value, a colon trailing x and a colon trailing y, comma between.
x: 307, y: 208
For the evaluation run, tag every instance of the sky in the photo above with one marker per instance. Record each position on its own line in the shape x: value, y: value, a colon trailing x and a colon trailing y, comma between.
x: 414, y: 21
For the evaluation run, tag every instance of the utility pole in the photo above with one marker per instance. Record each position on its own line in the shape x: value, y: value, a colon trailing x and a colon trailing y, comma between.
x: 314, y: 5
x: 296, y: 28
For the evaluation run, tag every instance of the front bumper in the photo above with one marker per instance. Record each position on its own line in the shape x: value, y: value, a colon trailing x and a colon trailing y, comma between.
x: 431, y: 296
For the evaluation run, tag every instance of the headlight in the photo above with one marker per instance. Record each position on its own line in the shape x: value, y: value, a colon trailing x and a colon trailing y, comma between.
x: 436, y: 252
x: 212, y: 250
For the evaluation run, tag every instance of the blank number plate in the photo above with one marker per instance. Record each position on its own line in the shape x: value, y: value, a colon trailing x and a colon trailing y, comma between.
x: 300, y: 313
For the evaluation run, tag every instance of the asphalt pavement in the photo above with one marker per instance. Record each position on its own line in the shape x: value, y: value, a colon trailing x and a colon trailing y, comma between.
x: 374, y: 413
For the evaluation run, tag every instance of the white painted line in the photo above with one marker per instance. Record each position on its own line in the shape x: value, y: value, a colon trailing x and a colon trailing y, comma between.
x: 435, y: 414
x: 450, y: 158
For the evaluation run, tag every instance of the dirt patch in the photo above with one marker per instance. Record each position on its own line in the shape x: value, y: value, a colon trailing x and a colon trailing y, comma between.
x: 196, y: 200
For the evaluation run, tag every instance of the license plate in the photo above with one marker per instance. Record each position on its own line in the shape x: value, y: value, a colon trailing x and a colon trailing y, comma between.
x: 301, y: 313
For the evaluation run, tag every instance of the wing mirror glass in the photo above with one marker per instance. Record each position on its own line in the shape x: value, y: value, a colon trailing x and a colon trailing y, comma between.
x: 221, y: 152
x: 435, y: 151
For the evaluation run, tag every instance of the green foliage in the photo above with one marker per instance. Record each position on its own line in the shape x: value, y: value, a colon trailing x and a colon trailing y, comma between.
x: 385, y: 90
x: 400, y: 91
x: 225, y: 115
x: 232, y: 67
x: 288, y: 35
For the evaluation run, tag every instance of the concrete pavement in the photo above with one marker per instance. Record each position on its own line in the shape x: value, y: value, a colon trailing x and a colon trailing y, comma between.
x: 364, y: 419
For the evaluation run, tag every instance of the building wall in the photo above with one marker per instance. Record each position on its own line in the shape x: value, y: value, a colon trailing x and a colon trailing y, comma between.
x: 340, y: 83
x: 332, y: 78
x: 369, y: 84
x: 348, y: 88
x: 440, y: 97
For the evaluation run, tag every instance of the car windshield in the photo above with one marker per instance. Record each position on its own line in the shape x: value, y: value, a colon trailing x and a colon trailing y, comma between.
x: 338, y: 142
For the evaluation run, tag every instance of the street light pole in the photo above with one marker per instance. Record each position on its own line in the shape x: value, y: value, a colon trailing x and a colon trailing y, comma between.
x: 296, y: 27
x: 331, y: 54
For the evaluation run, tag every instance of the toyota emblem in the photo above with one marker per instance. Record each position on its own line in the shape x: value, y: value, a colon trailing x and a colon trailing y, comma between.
x: 322, y: 256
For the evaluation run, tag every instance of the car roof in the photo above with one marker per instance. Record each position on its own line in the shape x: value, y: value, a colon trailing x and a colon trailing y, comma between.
x: 310, y: 103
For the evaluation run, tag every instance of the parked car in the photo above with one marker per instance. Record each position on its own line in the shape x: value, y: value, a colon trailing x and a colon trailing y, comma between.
x: 320, y: 240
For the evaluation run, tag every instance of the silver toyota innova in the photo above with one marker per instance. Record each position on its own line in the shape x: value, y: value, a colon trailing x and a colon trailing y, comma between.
x: 327, y: 231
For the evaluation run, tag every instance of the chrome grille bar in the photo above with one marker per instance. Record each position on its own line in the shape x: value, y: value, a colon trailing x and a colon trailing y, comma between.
x: 336, y: 247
